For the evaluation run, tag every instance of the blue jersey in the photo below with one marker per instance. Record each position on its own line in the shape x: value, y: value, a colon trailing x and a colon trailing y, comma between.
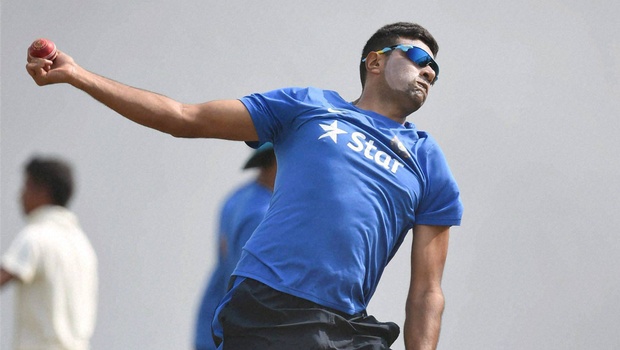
x: 350, y: 184
x: 242, y: 211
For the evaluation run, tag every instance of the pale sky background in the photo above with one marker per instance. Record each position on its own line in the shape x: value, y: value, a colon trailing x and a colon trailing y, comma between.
x: 527, y: 112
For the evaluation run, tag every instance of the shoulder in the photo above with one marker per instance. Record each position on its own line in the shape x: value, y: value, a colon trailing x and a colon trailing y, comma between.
x: 428, y: 149
x: 32, y: 233
x: 235, y: 196
x: 299, y: 94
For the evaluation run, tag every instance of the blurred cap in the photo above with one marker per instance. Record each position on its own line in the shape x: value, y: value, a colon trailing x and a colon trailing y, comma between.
x: 262, y: 156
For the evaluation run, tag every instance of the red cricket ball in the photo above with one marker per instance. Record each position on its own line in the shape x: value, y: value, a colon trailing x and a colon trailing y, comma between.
x: 43, y: 48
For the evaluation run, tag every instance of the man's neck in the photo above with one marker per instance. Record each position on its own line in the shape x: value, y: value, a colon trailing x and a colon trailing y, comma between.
x: 266, y: 178
x: 383, y: 106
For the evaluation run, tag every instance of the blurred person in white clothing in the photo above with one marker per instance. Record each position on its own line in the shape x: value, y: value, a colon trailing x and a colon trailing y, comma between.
x: 53, y: 264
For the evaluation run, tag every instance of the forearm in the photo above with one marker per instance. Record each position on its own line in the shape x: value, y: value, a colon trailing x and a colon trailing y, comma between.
x: 423, y: 321
x: 143, y: 107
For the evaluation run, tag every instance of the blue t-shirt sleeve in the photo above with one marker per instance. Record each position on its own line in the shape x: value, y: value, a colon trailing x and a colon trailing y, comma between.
x: 441, y: 202
x: 274, y: 111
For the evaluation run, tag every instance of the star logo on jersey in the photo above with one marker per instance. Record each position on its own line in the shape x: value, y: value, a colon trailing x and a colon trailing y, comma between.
x: 331, y: 131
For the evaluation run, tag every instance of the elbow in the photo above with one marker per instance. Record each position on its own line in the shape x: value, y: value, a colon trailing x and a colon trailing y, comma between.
x: 177, y: 132
x: 423, y: 318
x: 183, y: 125
x: 431, y: 301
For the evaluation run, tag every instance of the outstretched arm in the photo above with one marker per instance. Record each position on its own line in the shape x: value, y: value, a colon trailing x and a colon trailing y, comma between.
x: 225, y: 119
x: 425, y: 301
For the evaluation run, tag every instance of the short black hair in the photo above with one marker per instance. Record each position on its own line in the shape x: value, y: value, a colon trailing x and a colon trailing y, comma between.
x: 55, y: 175
x: 389, y: 35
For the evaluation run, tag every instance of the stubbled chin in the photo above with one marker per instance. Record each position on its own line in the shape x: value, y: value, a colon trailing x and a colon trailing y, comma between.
x: 419, y: 97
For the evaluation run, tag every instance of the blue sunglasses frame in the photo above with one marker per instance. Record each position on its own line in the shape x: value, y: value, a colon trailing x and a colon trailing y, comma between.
x: 415, y: 54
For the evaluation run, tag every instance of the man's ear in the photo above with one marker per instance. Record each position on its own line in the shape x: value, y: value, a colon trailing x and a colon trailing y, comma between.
x: 374, y: 62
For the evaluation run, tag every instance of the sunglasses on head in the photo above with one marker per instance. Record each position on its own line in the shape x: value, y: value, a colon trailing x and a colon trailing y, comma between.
x: 415, y: 54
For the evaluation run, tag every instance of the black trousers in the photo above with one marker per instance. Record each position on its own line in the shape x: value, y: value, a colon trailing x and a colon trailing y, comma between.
x: 258, y: 317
